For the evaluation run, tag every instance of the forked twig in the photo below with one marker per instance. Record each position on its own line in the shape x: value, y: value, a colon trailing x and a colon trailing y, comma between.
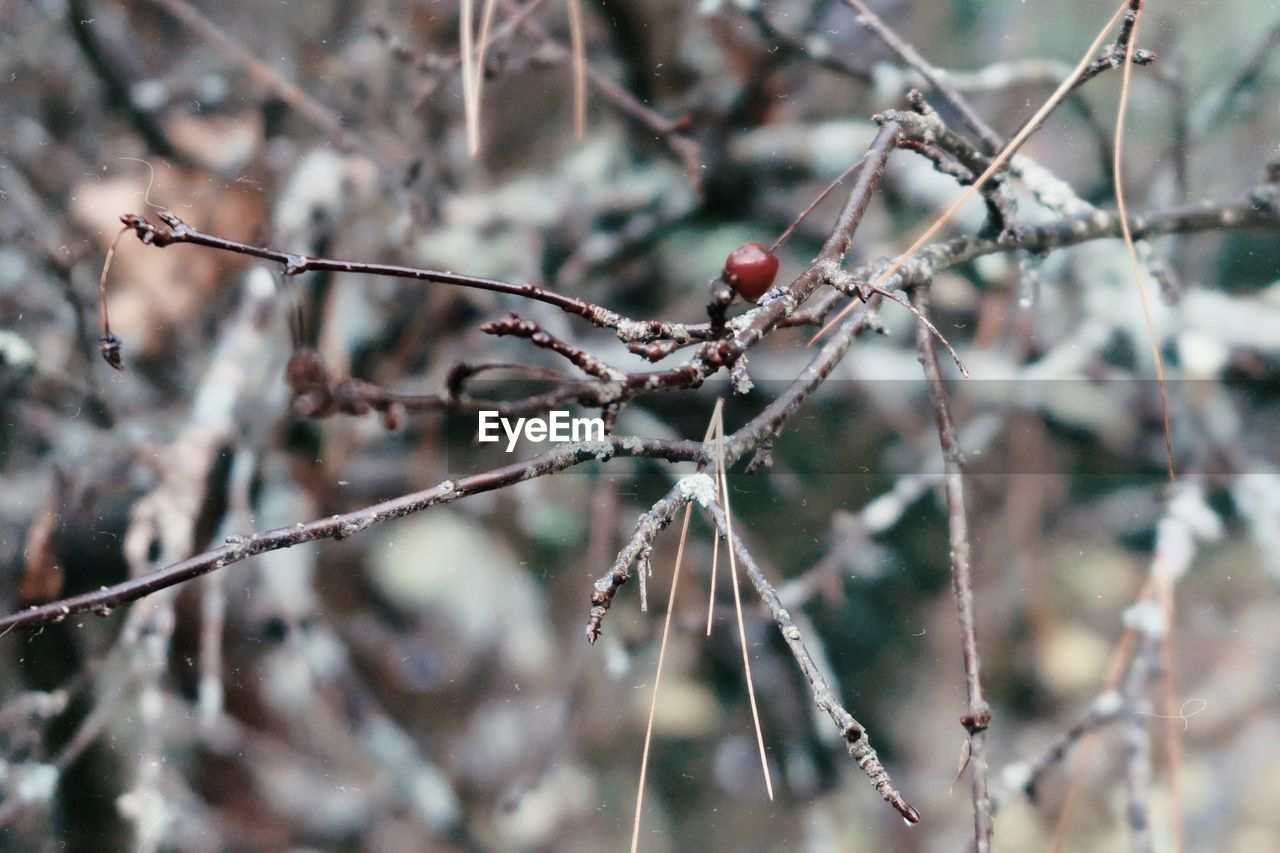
x: 996, y: 163
x: 927, y: 323
x: 936, y: 77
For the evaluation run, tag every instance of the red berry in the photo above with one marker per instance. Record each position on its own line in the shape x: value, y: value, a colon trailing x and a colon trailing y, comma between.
x: 750, y: 270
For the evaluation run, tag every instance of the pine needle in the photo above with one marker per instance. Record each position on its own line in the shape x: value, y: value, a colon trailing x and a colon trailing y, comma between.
x: 578, y: 44
x: 657, y: 679
x: 804, y: 214
x: 1122, y: 210
x: 717, y: 416
x: 662, y: 646
x: 473, y: 108
x: 466, y: 40
x: 737, y: 603
x: 1173, y: 741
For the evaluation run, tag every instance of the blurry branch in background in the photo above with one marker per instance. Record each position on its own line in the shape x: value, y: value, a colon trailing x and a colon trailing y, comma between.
x: 286, y: 90
x: 674, y: 133
x: 1024, y: 777
x: 80, y: 20
x: 1188, y: 522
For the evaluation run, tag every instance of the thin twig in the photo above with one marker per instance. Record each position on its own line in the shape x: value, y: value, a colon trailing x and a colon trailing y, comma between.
x: 978, y: 717
x: 348, y: 524
x: 1026, y: 776
x: 936, y: 76
x: 177, y: 231
x: 108, y: 343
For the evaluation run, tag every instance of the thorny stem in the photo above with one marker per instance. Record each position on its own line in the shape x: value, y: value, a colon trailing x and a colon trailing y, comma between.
x: 978, y: 717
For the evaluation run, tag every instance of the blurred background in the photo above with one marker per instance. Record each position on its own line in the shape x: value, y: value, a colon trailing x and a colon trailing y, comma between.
x: 426, y: 684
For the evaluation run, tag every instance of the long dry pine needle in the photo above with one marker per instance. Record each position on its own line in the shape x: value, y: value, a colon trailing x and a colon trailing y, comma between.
x: 578, y: 42
x: 717, y: 416
x: 1173, y: 740
x: 737, y: 601
x: 1173, y: 743
x: 1134, y: 265
x: 466, y: 41
x: 662, y: 646
x: 473, y: 105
